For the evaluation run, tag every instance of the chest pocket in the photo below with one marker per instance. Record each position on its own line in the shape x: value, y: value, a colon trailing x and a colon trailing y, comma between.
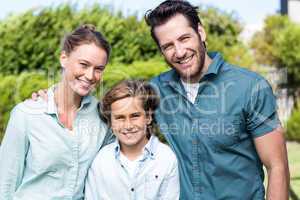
x: 221, y: 132
x: 153, y: 183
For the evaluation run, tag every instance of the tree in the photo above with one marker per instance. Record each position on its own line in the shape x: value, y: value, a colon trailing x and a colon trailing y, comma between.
x: 278, y: 45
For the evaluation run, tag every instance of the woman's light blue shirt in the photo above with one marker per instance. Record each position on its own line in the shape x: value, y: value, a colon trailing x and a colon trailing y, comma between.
x: 41, y: 159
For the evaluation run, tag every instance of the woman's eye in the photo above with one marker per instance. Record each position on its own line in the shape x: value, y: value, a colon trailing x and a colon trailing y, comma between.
x: 99, y: 69
x: 83, y: 64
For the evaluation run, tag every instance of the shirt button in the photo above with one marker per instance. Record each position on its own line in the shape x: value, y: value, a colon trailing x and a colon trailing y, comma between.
x: 132, y: 189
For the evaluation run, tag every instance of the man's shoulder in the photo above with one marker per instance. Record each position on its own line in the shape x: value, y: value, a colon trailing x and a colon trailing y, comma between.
x: 165, y: 76
x: 242, y: 72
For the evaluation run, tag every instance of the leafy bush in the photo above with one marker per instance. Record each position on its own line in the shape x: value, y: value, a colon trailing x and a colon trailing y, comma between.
x: 30, y: 41
x: 15, y: 89
x: 293, y: 126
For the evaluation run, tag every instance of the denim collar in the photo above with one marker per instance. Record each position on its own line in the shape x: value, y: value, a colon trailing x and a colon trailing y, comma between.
x: 213, y: 69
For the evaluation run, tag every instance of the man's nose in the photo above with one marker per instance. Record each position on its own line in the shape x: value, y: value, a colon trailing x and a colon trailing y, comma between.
x: 179, y: 51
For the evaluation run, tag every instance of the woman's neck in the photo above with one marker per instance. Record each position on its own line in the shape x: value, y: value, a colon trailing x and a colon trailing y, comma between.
x: 67, y: 102
x: 65, y: 98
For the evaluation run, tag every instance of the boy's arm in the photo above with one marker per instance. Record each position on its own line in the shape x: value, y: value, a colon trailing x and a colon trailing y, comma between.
x: 170, y: 187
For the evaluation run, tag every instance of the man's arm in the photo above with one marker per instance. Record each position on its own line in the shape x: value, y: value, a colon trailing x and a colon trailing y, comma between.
x: 272, y: 151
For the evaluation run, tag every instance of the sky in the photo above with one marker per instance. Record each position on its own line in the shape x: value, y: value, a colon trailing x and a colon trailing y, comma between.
x: 250, y: 12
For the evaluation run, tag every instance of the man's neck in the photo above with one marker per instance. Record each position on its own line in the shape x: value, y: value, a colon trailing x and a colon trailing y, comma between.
x: 198, y: 77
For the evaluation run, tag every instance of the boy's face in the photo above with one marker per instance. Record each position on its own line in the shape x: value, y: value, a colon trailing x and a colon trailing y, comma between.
x: 129, y: 122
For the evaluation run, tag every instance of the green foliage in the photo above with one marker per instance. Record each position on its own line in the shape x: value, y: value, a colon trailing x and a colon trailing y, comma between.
x: 15, y: 89
x: 223, y: 31
x: 293, y: 126
x: 30, y: 41
x: 278, y: 44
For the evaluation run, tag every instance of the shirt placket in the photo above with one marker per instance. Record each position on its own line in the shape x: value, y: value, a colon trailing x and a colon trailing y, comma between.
x: 74, y: 170
x: 196, y: 168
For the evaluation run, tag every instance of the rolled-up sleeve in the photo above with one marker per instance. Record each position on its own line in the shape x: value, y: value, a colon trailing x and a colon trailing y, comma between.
x: 13, y: 151
x: 262, y: 115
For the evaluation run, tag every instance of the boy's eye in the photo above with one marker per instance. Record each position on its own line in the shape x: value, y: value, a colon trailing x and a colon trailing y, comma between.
x: 135, y: 115
x: 119, y: 118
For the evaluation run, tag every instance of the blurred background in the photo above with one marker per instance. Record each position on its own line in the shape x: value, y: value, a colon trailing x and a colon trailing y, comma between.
x: 263, y: 36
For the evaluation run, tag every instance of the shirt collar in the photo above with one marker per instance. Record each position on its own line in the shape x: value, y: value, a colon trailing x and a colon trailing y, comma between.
x: 217, y: 62
x: 52, y: 108
x: 148, y: 151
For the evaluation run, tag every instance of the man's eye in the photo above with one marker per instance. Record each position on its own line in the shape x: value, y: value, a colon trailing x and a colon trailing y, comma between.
x: 167, y: 48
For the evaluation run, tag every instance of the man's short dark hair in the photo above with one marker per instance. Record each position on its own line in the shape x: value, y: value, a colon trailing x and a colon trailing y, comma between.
x: 168, y: 9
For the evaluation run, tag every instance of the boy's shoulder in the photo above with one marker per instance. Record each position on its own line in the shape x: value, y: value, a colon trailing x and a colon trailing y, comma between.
x: 106, y: 153
x: 164, y: 151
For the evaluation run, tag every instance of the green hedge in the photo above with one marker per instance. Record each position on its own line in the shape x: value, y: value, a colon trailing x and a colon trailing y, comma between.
x: 16, y: 88
x: 30, y: 41
x: 293, y: 126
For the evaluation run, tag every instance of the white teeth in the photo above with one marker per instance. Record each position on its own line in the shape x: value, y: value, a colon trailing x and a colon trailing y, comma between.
x: 186, y: 60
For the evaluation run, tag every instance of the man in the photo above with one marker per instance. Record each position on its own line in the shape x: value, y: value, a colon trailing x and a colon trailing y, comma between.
x: 137, y: 165
x: 220, y: 119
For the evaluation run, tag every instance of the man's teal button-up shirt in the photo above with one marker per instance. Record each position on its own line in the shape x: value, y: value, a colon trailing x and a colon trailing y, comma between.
x: 213, y: 138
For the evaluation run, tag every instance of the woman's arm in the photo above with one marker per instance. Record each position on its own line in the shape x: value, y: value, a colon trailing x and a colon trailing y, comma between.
x: 13, y: 151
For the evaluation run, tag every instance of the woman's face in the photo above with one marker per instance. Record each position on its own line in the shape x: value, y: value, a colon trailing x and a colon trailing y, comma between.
x: 83, y: 67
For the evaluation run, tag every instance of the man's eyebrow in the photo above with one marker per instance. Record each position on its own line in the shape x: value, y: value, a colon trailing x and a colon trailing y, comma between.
x: 184, y: 35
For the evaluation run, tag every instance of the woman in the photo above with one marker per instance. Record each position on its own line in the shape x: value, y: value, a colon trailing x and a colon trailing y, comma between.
x: 49, y: 145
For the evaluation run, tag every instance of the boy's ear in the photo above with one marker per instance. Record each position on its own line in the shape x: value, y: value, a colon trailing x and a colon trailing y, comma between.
x: 149, y: 117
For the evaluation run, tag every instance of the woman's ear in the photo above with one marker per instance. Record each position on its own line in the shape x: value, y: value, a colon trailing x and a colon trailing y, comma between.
x: 63, y: 58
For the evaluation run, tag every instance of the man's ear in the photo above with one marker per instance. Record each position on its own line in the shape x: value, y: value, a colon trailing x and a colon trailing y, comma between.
x: 202, y: 33
x: 63, y: 58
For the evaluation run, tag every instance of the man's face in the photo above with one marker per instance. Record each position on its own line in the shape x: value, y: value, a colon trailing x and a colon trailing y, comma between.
x: 182, y: 47
x: 129, y: 122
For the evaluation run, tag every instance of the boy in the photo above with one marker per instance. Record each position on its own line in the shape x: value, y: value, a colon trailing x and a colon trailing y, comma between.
x: 137, y: 165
